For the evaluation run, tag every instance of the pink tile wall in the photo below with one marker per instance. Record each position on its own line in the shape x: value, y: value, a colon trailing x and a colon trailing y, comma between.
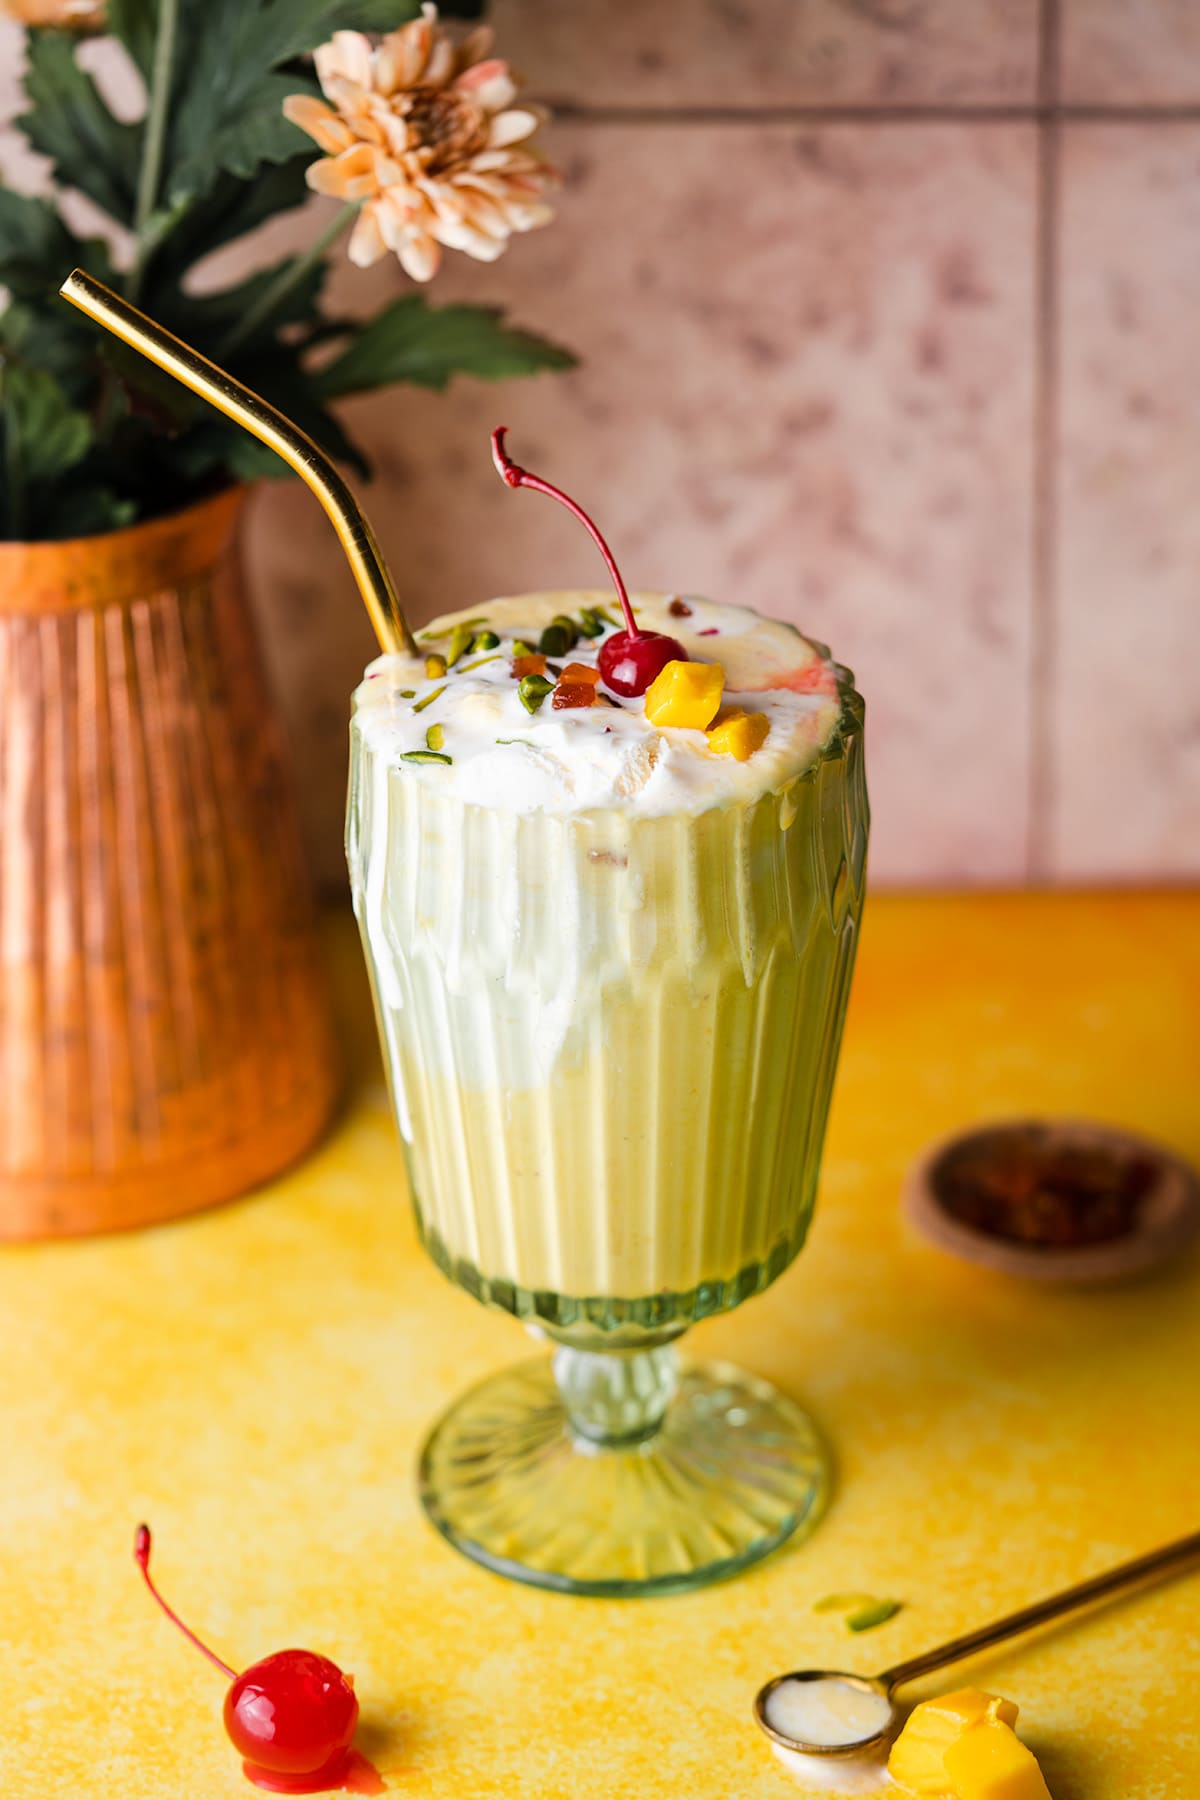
x: 1126, y: 724
x: 756, y: 53
x: 874, y: 336
x: 1131, y: 52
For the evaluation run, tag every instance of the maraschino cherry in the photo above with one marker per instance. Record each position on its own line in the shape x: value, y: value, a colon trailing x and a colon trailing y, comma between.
x: 629, y: 660
x: 290, y: 1716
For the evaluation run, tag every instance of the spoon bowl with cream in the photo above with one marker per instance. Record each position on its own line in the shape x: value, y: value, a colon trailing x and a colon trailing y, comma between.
x: 825, y: 1712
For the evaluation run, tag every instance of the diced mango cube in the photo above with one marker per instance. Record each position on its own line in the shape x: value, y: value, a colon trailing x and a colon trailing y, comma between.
x: 917, y: 1761
x: 686, y: 694
x: 989, y: 1762
x: 739, y: 734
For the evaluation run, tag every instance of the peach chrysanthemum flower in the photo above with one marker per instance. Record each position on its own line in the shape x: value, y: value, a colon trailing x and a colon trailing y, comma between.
x: 81, y: 16
x: 424, y: 133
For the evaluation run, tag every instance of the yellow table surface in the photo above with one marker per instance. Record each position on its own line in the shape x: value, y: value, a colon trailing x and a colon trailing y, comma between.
x: 256, y: 1383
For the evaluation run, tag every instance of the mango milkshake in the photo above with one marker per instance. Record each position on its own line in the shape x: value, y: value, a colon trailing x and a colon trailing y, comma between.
x: 607, y: 871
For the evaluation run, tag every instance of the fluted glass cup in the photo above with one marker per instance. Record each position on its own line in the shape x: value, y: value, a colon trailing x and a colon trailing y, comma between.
x: 610, y: 1041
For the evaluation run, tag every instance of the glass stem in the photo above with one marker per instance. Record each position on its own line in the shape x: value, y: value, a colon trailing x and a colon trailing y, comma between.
x: 616, y: 1397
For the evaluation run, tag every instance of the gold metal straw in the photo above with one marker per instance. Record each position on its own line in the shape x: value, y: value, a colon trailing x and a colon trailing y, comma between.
x: 270, y: 427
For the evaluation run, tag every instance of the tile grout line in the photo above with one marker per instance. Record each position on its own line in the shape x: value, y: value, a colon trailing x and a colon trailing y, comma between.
x: 1042, y: 778
x: 1040, y: 112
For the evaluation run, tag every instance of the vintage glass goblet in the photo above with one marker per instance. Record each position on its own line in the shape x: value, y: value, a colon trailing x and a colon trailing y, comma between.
x: 611, y: 1041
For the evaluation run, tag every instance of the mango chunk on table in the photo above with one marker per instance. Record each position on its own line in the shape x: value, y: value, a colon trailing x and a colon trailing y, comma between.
x: 989, y: 1762
x: 962, y: 1746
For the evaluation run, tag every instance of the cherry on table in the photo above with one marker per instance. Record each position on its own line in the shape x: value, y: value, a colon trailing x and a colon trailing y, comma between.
x: 291, y: 1716
x: 630, y: 659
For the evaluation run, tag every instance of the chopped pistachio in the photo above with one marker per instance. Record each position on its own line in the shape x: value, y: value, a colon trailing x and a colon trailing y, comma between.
x: 461, y: 640
x: 408, y: 693
x: 589, y: 624
x: 424, y: 756
x: 487, y: 640
x: 514, y: 740
x: 466, y: 668
x: 554, y: 641
x: 432, y: 637
x: 434, y: 666
x: 842, y: 1602
x: 533, y: 690
x: 521, y: 648
x: 429, y: 699
x: 435, y: 737
x: 868, y: 1617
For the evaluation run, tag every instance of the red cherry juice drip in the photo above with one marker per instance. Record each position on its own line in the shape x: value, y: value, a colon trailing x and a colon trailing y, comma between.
x: 349, y: 1773
x: 517, y: 477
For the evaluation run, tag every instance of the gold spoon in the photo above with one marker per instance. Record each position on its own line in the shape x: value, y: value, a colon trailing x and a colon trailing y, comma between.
x: 264, y: 422
x: 1144, y: 1568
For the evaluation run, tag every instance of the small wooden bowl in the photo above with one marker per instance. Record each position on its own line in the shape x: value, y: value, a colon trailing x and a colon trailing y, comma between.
x: 1165, y: 1216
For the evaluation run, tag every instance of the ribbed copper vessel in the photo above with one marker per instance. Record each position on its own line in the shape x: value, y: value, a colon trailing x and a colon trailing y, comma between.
x: 164, y: 1035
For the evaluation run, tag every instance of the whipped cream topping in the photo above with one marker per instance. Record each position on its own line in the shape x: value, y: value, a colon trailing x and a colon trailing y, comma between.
x: 608, y: 756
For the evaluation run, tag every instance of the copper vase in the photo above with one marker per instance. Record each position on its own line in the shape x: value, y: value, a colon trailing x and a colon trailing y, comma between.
x: 165, y: 1040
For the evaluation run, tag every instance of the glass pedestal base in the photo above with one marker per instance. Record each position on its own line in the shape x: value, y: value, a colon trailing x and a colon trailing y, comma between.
x: 618, y: 1473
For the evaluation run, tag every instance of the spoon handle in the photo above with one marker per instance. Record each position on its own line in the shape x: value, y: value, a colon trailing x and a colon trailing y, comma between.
x: 1142, y: 1568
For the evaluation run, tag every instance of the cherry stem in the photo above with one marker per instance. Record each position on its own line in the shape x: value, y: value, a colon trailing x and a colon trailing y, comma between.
x: 516, y: 477
x: 141, y: 1556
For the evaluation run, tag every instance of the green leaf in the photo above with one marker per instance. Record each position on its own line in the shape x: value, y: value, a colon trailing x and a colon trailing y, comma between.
x: 209, y: 443
x: 229, y: 210
x: 279, y: 377
x: 50, y: 435
x: 36, y: 249
x: 203, y: 319
x: 68, y: 121
x: 36, y: 333
x: 414, y: 342
x: 134, y: 23
x: 231, y: 80
x: 87, y: 510
x: 36, y: 252
x: 44, y: 437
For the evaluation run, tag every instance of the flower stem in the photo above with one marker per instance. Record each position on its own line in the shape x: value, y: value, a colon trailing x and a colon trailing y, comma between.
x: 154, y: 139
x: 284, y: 283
